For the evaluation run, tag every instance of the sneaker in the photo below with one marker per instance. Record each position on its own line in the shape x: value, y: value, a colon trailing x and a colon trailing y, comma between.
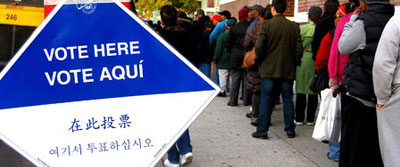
x: 186, y: 159
x: 332, y: 159
x: 291, y: 134
x: 259, y: 135
x: 221, y: 94
x: 248, y: 115
x: 298, y: 123
x: 169, y: 164
x: 310, y: 123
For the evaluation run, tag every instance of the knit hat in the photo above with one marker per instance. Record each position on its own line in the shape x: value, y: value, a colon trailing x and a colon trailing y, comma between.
x: 243, y: 14
x: 371, y: 2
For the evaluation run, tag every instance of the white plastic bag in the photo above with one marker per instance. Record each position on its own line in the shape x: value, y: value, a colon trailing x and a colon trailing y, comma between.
x: 327, y: 127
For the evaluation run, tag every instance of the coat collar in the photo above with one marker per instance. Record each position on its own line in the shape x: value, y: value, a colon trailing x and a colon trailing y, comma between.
x: 279, y: 15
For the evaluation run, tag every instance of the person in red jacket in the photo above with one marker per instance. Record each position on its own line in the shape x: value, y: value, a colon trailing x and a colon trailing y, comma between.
x: 321, y: 61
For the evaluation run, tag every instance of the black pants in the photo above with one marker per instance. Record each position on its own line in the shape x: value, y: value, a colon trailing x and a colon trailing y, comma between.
x: 312, y: 104
x: 237, y: 78
x: 256, y: 104
x: 359, y: 144
x: 247, y: 95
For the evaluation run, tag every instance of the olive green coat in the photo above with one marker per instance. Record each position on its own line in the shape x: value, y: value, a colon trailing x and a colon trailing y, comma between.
x: 278, y: 48
x: 305, y: 73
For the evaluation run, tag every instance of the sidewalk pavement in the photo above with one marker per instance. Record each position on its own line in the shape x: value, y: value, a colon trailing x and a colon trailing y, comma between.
x: 221, y: 137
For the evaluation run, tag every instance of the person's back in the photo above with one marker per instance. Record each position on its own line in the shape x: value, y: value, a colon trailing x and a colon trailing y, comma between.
x: 182, y: 41
x: 386, y: 75
x: 276, y: 48
x: 235, y: 48
x: 360, y: 38
x: 235, y: 44
x: 305, y: 98
x: 181, y: 152
x: 278, y: 51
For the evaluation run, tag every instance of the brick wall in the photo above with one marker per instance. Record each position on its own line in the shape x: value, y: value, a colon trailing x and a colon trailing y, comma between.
x: 290, y: 8
x: 395, y: 2
x: 304, y: 5
x: 235, y: 6
x: 210, y: 4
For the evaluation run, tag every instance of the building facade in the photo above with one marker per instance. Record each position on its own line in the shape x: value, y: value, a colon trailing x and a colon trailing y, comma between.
x: 297, y: 9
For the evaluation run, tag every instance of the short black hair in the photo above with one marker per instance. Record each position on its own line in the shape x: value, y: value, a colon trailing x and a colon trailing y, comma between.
x: 268, y: 14
x: 279, y: 5
x: 169, y: 15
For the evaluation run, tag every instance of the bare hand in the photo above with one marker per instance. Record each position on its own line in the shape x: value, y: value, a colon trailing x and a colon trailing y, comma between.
x: 357, y: 12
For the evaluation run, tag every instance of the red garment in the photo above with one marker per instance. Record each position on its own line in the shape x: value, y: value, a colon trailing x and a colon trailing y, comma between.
x: 321, y: 61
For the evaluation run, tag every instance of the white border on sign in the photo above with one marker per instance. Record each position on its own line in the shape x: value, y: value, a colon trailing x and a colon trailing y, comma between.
x: 34, y: 160
x: 11, y: 63
x: 158, y: 156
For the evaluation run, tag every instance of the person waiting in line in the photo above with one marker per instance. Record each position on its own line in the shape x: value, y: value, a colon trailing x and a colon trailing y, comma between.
x: 336, y: 62
x: 326, y: 23
x: 386, y: 75
x: 222, y: 58
x: 305, y: 73
x: 278, y: 46
x: 181, y: 152
x: 218, y: 29
x: 236, y: 49
x: 253, y: 75
x: 202, y: 45
x: 360, y: 37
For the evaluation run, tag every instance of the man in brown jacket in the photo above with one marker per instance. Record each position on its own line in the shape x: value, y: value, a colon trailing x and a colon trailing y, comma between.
x: 278, y: 52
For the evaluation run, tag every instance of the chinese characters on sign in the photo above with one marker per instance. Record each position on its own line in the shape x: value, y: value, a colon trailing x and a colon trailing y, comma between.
x: 106, y: 123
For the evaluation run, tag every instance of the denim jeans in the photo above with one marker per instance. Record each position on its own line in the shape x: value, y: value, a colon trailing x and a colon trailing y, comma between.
x: 181, y: 147
x: 267, y: 94
x: 334, y: 151
x: 205, y: 69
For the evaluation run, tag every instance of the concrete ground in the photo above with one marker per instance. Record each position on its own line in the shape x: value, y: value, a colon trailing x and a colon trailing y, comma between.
x: 221, y: 137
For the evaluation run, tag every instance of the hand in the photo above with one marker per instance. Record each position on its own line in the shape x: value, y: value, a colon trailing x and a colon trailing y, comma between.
x: 357, y: 12
x: 379, y: 106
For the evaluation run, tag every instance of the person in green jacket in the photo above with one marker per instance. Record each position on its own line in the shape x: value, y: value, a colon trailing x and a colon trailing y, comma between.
x: 222, y: 57
x: 305, y: 72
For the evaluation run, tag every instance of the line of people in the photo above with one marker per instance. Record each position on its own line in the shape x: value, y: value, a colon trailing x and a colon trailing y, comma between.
x: 340, y: 41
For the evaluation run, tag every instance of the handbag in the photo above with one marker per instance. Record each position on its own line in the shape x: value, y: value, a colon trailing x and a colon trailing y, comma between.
x: 249, y: 58
x: 320, y: 81
x: 328, y: 125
